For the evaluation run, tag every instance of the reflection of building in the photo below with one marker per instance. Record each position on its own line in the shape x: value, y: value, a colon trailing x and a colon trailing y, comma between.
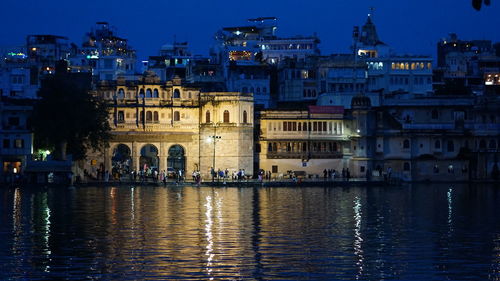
x: 170, y: 125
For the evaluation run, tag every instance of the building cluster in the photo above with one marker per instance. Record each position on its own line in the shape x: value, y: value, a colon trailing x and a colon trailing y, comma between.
x: 265, y: 104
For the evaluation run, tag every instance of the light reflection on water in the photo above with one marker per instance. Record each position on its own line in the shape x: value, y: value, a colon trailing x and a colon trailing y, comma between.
x: 420, y: 232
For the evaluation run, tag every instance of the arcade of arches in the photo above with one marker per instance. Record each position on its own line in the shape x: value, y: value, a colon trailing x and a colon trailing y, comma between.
x: 146, y: 156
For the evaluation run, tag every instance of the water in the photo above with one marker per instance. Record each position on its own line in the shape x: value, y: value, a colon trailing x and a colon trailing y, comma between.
x: 419, y: 232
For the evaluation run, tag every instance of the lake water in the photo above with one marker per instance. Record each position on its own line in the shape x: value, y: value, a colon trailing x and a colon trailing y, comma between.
x: 418, y: 232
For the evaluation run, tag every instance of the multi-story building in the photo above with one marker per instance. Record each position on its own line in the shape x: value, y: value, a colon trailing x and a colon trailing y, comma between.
x: 104, y: 54
x: 22, y: 68
x: 247, y: 54
x: 170, y: 125
x: 172, y: 61
x: 314, y: 139
x: 438, y: 138
x: 16, y: 137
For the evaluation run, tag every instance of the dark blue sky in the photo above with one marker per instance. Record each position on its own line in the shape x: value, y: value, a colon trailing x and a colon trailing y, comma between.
x: 408, y: 26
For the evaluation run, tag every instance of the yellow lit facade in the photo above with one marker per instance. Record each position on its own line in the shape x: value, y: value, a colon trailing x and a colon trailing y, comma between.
x: 170, y: 126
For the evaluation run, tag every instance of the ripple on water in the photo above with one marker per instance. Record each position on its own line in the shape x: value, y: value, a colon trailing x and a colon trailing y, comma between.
x: 431, y: 232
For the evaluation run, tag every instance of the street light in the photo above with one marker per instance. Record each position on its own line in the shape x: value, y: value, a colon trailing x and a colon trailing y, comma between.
x: 214, y: 138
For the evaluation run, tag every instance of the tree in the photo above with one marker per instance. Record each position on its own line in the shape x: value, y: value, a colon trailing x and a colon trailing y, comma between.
x: 68, y: 118
x: 477, y: 4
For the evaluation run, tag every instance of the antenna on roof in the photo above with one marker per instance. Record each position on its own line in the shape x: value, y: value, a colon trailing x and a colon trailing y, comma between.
x: 371, y: 10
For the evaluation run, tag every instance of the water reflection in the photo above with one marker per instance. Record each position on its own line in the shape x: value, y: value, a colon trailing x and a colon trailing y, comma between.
x: 129, y: 233
x: 358, y: 240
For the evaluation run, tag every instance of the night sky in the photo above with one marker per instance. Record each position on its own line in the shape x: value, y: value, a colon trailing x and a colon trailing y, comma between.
x: 408, y: 26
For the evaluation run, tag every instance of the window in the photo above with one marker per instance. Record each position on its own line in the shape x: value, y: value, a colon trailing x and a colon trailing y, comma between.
x: 226, y: 116
x: 434, y: 114
x: 6, y: 143
x: 406, y: 166
x: 207, y: 117
x: 177, y: 116
x: 264, y: 90
x: 492, y: 144
x: 121, y: 94
x: 274, y: 169
x: 121, y: 116
x: 141, y: 93
x: 155, y: 117
x: 437, y: 144
x: 482, y: 144
x: 149, y: 116
x: 406, y: 144
x: 177, y: 94
x: 155, y: 93
x: 149, y: 93
x: 14, y: 121
x: 19, y: 143
x: 245, y: 117
x: 451, y: 146
x: 270, y: 147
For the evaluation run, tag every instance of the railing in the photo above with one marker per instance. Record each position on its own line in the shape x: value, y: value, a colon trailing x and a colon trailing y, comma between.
x: 305, y: 134
x: 487, y: 126
x: 428, y: 126
x: 303, y: 155
x: 157, y: 126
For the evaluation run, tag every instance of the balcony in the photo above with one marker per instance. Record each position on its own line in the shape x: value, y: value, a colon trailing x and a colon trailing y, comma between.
x: 428, y: 126
x: 303, y: 155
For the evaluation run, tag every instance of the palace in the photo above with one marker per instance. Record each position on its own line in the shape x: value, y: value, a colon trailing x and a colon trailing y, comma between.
x: 171, y: 126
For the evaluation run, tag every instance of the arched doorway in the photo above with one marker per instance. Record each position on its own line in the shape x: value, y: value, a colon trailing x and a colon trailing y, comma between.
x: 149, y: 157
x: 176, y: 158
x: 121, y: 160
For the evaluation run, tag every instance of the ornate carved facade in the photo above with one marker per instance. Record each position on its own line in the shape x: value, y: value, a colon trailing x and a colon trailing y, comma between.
x: 169, y: 126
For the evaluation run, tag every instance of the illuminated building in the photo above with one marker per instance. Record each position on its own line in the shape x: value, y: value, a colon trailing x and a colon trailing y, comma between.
x: 163, y: 125
x: 15, y: 136
x: 23, y: 67
x: 314, y: 139
x: 104, y: 54
x: 248, y: 52
x: 172, y: 61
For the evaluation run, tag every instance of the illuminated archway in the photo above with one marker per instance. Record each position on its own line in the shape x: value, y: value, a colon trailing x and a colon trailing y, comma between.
x: 176, y: 158
x: 149, y: 157
x: 121, y: 159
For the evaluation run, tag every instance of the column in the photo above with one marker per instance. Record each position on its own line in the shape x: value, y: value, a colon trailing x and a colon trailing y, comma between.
x: 135, y: 157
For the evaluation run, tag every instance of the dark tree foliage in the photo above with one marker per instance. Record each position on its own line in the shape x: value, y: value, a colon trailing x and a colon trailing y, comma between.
x: 477, y: 4
x: 68, y: 118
